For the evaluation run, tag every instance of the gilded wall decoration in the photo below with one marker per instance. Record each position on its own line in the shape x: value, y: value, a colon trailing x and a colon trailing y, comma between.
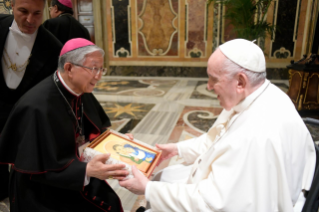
x: 158, y: 27
x: 5, y: 7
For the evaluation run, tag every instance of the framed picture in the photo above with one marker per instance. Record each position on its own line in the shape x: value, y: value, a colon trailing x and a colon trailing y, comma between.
x: 128, y: 151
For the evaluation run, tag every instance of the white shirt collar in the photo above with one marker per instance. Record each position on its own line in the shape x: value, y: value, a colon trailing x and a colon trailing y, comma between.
x: 249, y: 99
x: 27, y: 37
x: 66, y: 86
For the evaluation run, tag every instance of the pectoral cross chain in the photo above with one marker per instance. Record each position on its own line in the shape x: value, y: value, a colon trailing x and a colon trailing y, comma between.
x: 13, y: 67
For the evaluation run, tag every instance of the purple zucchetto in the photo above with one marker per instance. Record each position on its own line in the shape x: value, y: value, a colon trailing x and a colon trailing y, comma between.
x: 67, y: 3
x: 75, y: 43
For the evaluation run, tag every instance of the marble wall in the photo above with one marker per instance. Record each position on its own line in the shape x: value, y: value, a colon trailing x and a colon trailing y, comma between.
x: 176, y: 37
x: 158, y: 33
x: 183, y: 33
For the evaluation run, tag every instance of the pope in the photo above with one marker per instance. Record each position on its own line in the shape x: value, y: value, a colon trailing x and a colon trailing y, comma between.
x: 258, y: 155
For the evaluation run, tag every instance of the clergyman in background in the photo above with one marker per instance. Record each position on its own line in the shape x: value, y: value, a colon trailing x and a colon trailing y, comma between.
x: 62, y: 24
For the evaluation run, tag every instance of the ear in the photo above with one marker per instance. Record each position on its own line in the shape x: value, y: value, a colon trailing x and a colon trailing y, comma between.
x: 68, y: 69
x: 55, y: 8
x: 242, y: 81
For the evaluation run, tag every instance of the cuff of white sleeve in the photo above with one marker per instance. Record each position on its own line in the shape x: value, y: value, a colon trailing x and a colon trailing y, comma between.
x: 86, y: 180
x: 179, y: 151
x: 147, y: 191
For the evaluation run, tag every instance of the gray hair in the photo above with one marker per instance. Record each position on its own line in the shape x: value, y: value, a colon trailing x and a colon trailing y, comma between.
x: 77, y: 56
x: 232, y: 69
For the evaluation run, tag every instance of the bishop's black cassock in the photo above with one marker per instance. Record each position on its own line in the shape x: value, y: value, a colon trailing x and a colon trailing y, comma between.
x: 39, y: 139
x: 65, y: 27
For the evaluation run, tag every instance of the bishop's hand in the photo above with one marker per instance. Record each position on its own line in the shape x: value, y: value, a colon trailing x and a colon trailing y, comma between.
x: 98, y: 169
x: 136, y: 185
x: 168, y: 151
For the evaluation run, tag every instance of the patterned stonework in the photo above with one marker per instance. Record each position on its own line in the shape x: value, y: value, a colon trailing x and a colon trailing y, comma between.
x: 157, y: 28
x: 5, y: 7
x: 184, y: 33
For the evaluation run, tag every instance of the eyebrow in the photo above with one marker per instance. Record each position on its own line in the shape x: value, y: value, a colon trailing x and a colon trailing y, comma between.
x: 212, y: 76
x: 25, y: 9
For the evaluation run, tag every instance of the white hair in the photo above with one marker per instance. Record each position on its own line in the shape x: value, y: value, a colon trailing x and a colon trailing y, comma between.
x: 232, y: 69
x: 77, y: 56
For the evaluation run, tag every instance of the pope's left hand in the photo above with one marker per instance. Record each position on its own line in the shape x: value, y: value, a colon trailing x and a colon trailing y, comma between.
x: 130, y: 136
x: 136, y: 185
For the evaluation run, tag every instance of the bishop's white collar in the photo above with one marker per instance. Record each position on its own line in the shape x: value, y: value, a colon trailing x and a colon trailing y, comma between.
x: 66, y: 86
x: 27, y: 37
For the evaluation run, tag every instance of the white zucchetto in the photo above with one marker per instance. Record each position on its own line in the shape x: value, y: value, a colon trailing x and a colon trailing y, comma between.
x: 245, y: 54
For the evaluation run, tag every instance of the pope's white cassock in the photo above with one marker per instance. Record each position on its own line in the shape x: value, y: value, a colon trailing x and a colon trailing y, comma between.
x: 258, y: 161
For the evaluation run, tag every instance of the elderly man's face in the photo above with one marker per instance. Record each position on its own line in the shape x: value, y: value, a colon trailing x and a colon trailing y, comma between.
x: 218, y: 81
x: 84, y: 80
x: 28, y: 14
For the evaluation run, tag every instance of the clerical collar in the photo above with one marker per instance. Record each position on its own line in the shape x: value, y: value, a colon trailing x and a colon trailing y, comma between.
x: 249, y: 99
x: 63, y: 14
x: 66, y: 86
x: 27, y: 37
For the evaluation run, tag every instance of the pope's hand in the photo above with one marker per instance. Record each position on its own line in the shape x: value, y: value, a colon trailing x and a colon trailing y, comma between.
x: 98, y: 169
x: 168, y: 151
x: 130, y: 136
x: 136, y: 185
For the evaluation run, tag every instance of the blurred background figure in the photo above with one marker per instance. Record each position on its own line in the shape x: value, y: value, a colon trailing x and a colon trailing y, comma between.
x: 62, y: 23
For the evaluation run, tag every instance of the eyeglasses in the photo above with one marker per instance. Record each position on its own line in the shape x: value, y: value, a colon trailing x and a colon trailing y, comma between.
x: 95, y: 71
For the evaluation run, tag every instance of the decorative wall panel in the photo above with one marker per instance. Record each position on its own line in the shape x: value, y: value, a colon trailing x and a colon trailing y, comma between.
x: 160, y: 33
x: 158, y: 28
x: 120, y: 28
x: 286, y: 15
x: 196, y: 28
x: 217, y: 26
x: 83, y: 12
x: 5, y: 7
x: 184, y: 33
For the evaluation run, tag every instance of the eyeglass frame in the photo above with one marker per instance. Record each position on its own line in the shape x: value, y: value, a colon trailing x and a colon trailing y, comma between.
x: 92, y: 69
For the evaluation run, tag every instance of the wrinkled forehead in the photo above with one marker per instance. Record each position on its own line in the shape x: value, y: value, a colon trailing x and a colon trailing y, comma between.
x: 94, y: 58
x: 215, y: 63
x: 29, y: 4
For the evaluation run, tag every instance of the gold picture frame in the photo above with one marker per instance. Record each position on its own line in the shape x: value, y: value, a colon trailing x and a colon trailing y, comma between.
x: 144, y: 157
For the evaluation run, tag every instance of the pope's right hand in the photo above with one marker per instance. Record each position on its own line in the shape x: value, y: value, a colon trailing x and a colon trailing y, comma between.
x: 168, y: 151
x: 98, y: 169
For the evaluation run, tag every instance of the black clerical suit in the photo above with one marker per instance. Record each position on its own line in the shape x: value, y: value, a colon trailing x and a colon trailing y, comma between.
x: 39, y: 139
x: 43, y: 62
x: 312, y: 196
x: 65, y: 27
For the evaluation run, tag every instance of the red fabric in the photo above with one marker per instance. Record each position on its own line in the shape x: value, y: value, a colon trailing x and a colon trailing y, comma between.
x: 93, y: 135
